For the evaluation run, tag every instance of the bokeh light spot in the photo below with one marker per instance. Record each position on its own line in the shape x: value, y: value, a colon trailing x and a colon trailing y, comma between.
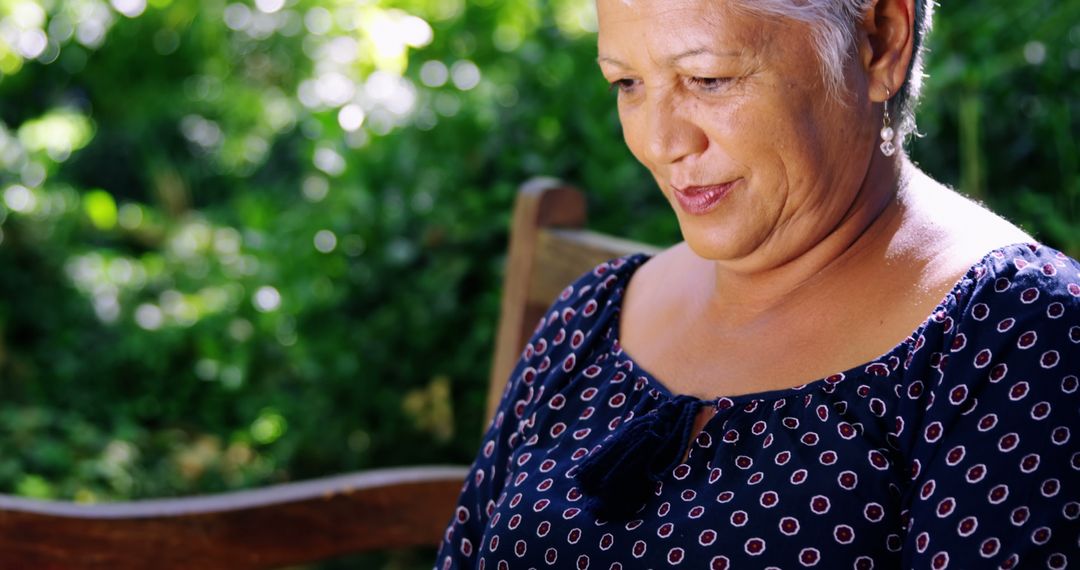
x: 129, y: 8
x: 325, y: 241
x: 315, y: 188
x: 329, y: 161
x: 1035, y: 52
x: 20, y: 199
x: 268, y: 427
x: 100, y: 208
x: 415, y: 32
x: 269, y: 6
x: 32, y: 43
x: 149, y: 317
x: 318, y: 20
x: 465, y: 74
x: 237, y: 16
x: 130, y: 216
x: 267, y: 299
x: 434, y: 73
x: 351, y: 117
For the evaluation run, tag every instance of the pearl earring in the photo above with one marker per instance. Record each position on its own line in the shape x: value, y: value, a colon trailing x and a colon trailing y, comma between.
x: 887, y: 134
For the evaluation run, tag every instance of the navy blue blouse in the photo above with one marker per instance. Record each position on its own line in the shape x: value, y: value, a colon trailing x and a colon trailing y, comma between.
x: 954, y: 449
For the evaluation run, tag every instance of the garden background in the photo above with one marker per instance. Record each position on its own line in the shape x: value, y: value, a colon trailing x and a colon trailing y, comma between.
x: 252, y: 242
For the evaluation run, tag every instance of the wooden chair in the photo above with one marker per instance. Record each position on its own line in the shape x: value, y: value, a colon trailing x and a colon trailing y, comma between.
x: 322, y: 518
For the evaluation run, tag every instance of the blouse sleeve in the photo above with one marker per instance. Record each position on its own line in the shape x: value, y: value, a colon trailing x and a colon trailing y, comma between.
x: 483, y: 487
x: 995, y: 467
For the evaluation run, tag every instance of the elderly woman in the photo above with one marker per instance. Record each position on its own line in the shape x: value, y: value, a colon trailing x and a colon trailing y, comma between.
x: 772, y: 392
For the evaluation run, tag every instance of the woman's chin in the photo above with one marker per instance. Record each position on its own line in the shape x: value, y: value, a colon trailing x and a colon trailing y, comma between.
x: 718, y: 244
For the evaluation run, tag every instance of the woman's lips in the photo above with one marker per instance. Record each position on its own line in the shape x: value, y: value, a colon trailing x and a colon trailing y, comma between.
x: 700, y: 200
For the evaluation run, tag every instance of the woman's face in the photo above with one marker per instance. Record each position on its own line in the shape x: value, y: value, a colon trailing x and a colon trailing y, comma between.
x: 731, y: 115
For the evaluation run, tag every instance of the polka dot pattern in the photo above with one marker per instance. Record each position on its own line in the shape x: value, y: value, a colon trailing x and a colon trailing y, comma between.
x: 953, y: 450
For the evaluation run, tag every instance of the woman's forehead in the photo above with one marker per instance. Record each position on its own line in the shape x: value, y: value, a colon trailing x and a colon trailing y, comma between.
x: 669, y: 29
x: 640, y: 8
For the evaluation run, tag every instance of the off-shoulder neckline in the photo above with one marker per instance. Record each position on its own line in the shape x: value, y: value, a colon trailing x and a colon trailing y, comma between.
x: 947, y: 305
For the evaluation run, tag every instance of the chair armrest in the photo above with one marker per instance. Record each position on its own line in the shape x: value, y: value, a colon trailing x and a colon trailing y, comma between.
x: 262, y: 528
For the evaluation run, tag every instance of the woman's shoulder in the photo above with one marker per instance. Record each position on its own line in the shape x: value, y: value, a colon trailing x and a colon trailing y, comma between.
x: 1026, y: 276
x: 596, y: 288
x: 948, y: 231
x: 655, y: 277
x: 578, y: 314
x: 1017, y: 309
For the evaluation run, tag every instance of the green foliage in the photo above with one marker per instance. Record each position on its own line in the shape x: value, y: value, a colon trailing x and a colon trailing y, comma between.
x: 240, y: 247
x: 1000, y: 112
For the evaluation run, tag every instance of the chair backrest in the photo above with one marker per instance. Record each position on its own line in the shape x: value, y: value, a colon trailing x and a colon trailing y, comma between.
x: 549, y: 248
x: 313, y: 520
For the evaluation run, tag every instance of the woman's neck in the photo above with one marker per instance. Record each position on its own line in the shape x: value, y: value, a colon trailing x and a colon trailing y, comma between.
x: 786, y: 272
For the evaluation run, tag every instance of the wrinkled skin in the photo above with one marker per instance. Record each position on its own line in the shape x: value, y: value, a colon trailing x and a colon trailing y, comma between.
x: 816, y: 229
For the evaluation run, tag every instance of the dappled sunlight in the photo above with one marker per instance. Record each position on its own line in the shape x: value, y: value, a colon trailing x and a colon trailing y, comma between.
x: 57, y: 133
x: 253, y: 241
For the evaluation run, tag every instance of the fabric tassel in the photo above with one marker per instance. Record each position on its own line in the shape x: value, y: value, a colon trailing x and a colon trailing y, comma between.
x: 619, y: 478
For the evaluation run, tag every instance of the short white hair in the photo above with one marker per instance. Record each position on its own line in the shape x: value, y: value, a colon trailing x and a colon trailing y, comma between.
x: 833, y: 24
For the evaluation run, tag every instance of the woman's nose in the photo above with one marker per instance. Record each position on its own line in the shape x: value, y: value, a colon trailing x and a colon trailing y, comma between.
x: 673, y: 133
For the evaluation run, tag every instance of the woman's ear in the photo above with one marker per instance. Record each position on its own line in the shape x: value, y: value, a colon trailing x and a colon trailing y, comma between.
x: 885, y: 37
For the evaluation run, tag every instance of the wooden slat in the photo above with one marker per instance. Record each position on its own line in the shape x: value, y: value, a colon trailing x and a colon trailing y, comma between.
x: 263, y: 528
x: 564, y: 255
x: 540, y: 203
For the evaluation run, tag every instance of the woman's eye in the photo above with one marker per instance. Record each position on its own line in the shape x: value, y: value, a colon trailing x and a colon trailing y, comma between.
x: 710, y: 83
x: 623, y: 85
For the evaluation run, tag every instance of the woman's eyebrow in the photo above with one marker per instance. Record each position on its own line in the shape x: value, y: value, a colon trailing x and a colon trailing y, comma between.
x: 610, y: 60
x: 677, y: 57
